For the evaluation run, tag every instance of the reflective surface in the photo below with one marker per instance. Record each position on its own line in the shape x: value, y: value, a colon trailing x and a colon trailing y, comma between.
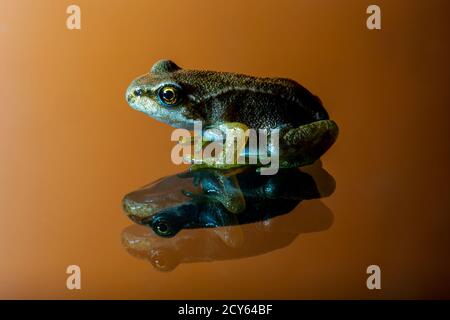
x: 225, y: 243
x: 203, y: 198
x: 197, y: 200
x: 71, y: 148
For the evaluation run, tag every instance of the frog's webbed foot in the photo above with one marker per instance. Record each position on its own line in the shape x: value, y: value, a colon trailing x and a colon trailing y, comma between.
x: 305, y: 144
x: 220, y: 186
x: 227, y: 191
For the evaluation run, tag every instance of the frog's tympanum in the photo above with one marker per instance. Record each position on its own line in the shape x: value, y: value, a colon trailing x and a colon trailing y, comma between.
x: 180, y: 97
x: 197, y: 199
x: 268, y: 197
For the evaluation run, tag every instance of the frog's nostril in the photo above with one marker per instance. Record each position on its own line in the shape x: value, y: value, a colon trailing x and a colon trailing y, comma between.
x: 138, y: 92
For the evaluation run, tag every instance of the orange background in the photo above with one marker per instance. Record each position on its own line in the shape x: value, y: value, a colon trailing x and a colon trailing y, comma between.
x: 71, y: 148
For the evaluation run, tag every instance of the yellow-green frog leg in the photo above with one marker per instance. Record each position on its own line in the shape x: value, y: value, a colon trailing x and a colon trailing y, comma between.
x: 229, y: 149
x: 221, y: 186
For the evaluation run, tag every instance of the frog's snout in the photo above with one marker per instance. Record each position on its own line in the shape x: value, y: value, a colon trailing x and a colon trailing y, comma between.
x: 132, y: 93
x: 137, y: 211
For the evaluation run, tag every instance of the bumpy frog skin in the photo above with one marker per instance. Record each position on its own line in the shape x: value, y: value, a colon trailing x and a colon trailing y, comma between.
x: 179, y: 97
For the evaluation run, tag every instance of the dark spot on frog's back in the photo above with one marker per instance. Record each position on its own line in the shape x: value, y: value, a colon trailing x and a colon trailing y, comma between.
x: 164, y: 66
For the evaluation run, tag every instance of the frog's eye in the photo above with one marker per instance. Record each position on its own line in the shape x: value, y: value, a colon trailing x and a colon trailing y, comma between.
x: 162, y: 228
x: 169, y: 95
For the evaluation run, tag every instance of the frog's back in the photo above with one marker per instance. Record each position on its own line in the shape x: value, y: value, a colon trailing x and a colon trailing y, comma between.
x: 257, y: 102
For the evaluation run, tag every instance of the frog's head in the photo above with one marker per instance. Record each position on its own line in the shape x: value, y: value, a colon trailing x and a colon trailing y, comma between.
x: 161, y: 95
x: 144, y: 203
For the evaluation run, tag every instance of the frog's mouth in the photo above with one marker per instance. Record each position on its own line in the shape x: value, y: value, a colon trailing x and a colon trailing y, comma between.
x: 137, y: 211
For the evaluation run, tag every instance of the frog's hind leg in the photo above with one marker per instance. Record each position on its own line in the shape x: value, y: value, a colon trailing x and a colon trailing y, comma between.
x: 305, y: 144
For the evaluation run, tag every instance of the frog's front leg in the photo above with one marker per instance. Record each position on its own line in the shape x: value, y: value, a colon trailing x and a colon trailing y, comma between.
x: 213, y: 133
x: 220, y: 186
x: 224, y: 150
x: 305, y: 144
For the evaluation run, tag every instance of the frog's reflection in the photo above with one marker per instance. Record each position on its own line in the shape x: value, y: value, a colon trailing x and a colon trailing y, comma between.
x: 213, y: 198
x: 194, y: 201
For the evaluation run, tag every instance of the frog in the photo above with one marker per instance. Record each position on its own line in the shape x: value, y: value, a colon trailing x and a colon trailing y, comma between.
x: 179, y: 97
